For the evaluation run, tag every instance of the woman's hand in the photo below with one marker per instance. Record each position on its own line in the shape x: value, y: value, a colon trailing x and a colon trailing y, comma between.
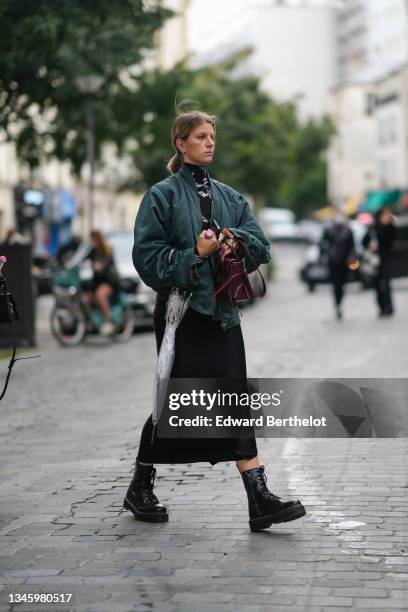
x: 229, y: 243
x: 207, y: 246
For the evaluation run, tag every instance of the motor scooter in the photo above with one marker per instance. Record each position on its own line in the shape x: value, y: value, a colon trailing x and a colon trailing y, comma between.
x: 72, y: 318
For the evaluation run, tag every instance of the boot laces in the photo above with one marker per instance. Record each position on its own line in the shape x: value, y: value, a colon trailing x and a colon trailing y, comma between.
x: 263, y: 480
x: 149, y: 484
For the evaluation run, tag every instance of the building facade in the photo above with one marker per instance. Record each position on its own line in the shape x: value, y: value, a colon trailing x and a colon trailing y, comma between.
x: 8, y: 180
x: 351, y: 159
x: 171, y: 40
x: 294, y: 48
x: 390, y: 97
x: 372, y: 37
x: 295, y: 52
x: 369, y: 101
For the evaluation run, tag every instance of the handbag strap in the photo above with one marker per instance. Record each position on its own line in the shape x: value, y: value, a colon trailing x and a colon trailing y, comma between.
x: 248, y: 254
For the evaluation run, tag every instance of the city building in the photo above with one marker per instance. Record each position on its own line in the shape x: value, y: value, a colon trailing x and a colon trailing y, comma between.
x: 8, y: 179
x: 293, y: 42
x: 171, y: 40
x: 390, y: 98
x: 351, y: 158
x: 372, y: 37
x: 294, y: 51
x: 369, y: 100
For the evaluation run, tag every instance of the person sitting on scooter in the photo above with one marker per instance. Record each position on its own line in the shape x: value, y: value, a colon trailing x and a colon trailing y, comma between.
x: 105, y: 281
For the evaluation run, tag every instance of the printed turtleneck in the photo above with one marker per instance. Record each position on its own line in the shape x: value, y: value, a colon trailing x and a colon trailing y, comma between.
x: 202, y: 182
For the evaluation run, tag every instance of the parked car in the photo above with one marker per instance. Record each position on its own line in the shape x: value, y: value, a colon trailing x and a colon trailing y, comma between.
x: 143, y: 298
x: 310, y: 230
x: 279, y: 224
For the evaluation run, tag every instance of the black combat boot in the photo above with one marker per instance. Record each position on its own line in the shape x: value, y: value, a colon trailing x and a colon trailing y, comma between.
x: 140, y: 498
x: 264, y: 507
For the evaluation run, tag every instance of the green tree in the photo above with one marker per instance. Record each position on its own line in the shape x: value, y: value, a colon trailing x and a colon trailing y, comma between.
x: 305, y: 186
x: 44, y: 46
x: 261, y: 145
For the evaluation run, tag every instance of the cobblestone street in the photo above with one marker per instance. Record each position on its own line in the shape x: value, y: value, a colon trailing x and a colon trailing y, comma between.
x: 70, y: 425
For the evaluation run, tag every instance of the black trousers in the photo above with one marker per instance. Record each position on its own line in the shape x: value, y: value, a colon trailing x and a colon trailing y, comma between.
x: 202, y: 350
x: 338, y: 276
x: 383, y: 286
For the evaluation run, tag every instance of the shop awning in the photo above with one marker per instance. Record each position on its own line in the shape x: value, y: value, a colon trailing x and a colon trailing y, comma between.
x: 375, y: 200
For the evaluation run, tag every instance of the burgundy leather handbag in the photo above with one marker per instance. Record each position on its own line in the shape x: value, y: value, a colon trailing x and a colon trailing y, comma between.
x: 234, y: 284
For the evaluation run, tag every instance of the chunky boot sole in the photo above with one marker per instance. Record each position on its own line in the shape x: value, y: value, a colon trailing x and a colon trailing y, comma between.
x: 152, y: 517
x: 284, y: 516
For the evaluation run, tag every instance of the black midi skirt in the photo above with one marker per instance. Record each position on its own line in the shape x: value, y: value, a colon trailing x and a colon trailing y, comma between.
x: 202, y: 350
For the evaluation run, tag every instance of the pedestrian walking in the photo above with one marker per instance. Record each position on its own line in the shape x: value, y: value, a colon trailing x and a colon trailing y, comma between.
x: 337, y: 243
x: 380, y: 239
x: 171, y: 250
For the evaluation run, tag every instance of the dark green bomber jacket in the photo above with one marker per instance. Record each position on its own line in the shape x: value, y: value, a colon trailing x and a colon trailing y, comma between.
x: 167, y: 227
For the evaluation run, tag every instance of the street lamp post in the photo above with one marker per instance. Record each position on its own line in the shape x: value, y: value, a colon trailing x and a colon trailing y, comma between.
x: 90, y: 156
x: 89, y: 85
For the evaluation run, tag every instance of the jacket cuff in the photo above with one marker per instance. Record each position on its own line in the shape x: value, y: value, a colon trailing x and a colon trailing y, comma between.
x: 188, y: 273
x: 250, y: 241
x: 257, y: 252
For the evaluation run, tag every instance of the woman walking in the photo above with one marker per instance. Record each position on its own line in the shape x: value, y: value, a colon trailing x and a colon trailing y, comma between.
x: 171, y: 250
x: 380, y: 239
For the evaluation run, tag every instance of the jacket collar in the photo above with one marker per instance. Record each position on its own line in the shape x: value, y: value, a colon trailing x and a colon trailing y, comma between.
x: 186, y: 174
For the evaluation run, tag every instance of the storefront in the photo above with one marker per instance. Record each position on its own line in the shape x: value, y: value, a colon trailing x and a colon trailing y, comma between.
x: 45, y: 216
